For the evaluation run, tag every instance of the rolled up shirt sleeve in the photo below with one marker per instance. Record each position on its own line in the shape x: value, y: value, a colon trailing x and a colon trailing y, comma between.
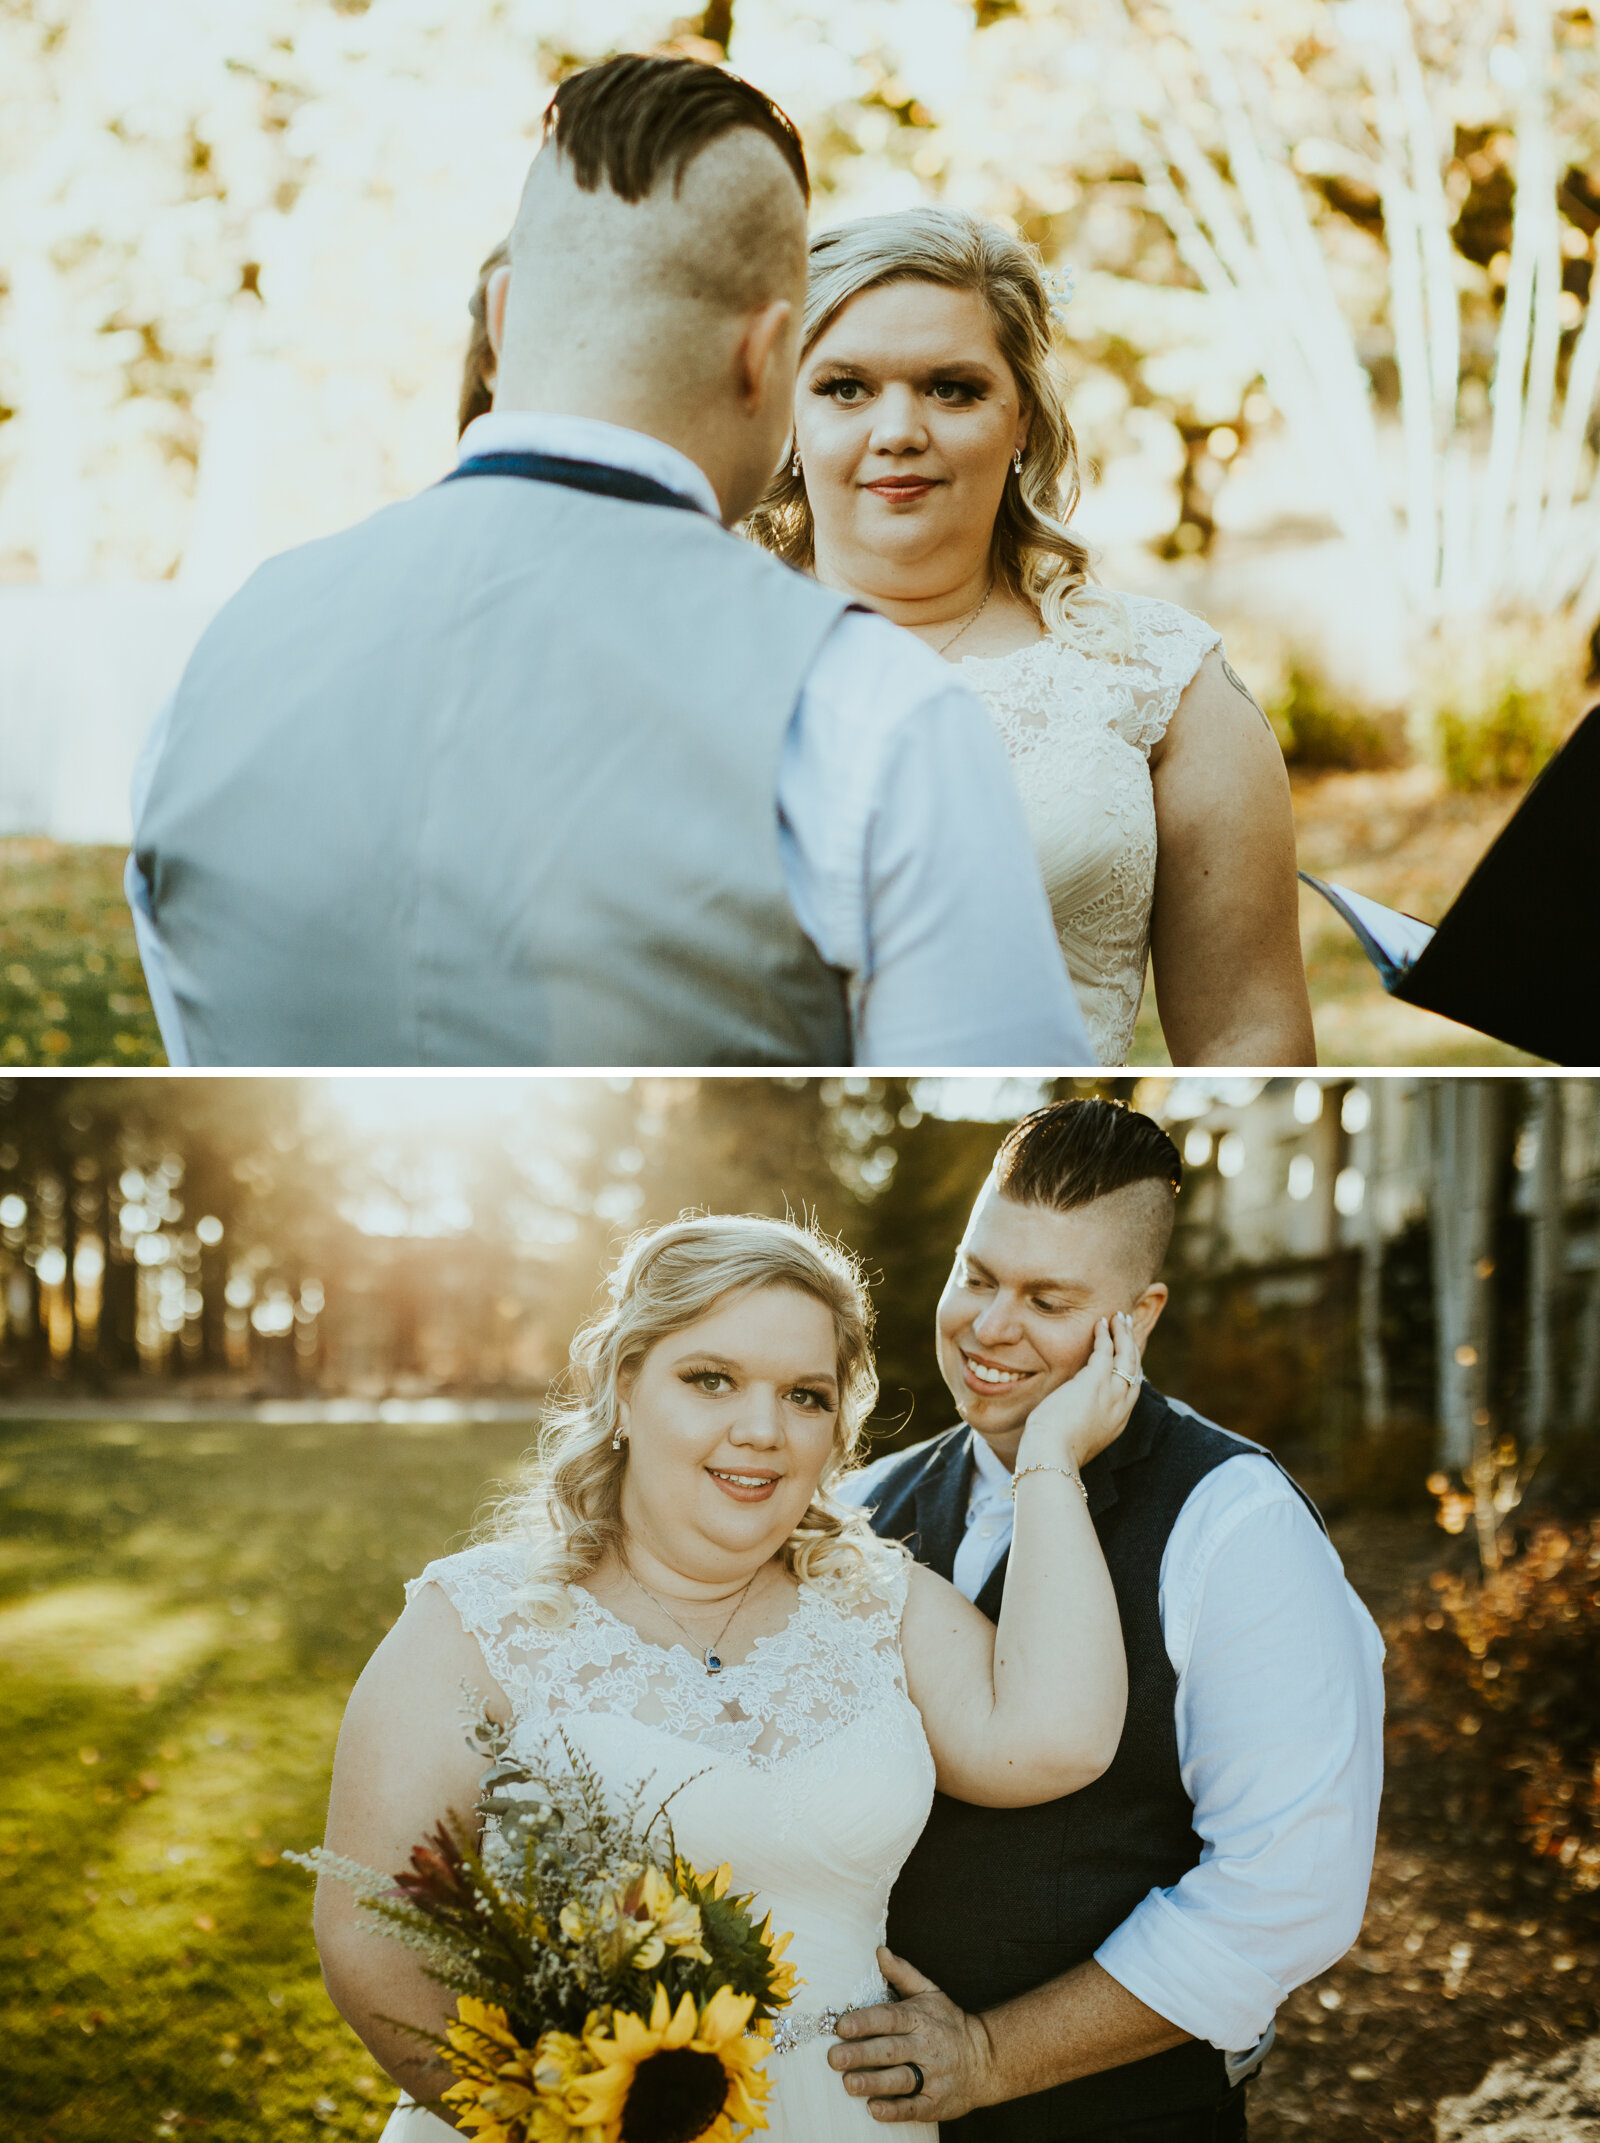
x: 1280, y: 1725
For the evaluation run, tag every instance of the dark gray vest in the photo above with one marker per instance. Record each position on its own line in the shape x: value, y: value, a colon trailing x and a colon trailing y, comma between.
x: 491, y: 779
x: 995, y: 1901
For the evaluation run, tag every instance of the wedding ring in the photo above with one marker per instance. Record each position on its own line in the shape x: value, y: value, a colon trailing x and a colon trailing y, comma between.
x: 1131, y: 1382
x: 921, y: 2081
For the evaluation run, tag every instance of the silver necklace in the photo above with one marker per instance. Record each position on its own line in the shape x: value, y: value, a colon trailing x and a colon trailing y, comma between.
x: 709, y: 1657
x: 968, y: 624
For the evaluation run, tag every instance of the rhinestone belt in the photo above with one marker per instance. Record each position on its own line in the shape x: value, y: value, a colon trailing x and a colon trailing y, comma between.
x: 794, y: 2029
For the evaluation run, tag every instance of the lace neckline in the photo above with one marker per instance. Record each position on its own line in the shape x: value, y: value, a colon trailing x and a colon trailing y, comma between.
x: 835, y: 1660
x: 1012, y: 654
x: 668, y: 1652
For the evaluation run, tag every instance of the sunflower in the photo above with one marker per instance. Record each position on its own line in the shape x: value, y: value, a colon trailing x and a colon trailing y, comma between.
x: 684, y: 2073
x: 784, y: 1978
x: 507, y: 2092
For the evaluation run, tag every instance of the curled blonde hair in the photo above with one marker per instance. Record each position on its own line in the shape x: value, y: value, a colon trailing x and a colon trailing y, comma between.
x: 569, y: 1507
x: 1035, y: 554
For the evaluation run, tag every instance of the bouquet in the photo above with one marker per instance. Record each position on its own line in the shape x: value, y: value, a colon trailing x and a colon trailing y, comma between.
x: 605, y: 1990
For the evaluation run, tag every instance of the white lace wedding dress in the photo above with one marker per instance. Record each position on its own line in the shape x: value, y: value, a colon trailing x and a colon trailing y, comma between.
x: 1080, y: 725
x: 805, y: 1766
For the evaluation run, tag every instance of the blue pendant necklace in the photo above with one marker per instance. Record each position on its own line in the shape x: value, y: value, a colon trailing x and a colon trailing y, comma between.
x: 710, y: 1658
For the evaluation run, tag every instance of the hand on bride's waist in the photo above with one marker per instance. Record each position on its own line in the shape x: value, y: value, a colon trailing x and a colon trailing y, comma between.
x: 1087, y: 1414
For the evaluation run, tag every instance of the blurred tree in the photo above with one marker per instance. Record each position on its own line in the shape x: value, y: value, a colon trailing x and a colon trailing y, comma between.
x: 1546, y: 1264
x: 1416, y: 127
x: 239, y: 247
x: 907, y: 1235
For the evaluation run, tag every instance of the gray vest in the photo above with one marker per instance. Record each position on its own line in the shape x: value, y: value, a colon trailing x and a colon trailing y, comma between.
x: 491, y: 779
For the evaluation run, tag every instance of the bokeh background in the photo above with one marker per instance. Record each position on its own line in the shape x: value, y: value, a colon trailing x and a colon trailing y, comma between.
x: 268, y: 1346
x: 1333, y: 364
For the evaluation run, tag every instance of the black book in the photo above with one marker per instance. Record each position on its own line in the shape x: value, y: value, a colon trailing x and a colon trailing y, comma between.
x: 1517, y: 955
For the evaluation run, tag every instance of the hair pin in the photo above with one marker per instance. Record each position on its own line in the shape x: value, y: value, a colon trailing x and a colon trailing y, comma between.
x: 1060, y: 288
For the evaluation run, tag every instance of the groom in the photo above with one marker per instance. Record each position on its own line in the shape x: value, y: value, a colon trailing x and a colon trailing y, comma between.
x: 545, y: 766
x: 1107, y: 1966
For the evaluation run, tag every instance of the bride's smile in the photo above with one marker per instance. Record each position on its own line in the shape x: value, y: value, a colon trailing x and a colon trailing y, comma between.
x: 728, y: 1424
x: 907, y: 420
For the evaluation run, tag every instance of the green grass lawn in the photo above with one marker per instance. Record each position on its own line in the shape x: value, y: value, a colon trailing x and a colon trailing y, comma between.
x: 182, y: 1612
x: 71, y: 987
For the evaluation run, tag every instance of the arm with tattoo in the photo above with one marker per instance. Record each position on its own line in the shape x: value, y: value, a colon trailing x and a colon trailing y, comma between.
x: 1244, y: 691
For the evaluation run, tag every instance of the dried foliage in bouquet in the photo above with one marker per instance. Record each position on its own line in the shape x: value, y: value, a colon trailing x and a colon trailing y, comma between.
x: 604, y: 1988
x: 1508, y: 1667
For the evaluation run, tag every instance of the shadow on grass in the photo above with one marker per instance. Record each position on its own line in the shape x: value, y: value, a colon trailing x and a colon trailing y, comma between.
x: 183, y: 1611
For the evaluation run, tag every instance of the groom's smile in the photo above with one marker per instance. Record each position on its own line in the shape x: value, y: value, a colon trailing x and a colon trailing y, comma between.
x: 985, y: 1375
x: 1017, y: 1316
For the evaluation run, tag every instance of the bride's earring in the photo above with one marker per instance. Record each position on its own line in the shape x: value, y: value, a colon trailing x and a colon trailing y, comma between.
x: 794, y: 462
x: 618, y: 1441
x: 1016, y: 461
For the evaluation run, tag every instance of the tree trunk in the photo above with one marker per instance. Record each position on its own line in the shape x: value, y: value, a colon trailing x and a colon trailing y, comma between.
x: 1369, y: 1295
x: 1546, y: 1265
x: 1465, y: 1146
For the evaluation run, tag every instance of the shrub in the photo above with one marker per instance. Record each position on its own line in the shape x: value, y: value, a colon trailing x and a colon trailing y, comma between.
x: 1510, y: 1667
x: 1497, y: 702
x: 1320, y: 726
x: 1498, y: 747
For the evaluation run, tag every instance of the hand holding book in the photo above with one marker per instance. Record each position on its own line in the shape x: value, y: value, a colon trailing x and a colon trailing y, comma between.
x: 1517, y: 954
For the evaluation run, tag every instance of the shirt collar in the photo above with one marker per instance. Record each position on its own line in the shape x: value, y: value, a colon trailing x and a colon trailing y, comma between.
x: 991, y: 1479
x: 530, y: 431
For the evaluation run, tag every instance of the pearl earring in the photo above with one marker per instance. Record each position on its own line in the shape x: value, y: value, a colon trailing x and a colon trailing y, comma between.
x: 794, y: 462
x: 618, y: 1441
x: 1016, y: 461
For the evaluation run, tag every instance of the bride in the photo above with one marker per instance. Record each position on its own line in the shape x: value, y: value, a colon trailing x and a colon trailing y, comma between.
x: 933, y: 472
x: 678, y: 1591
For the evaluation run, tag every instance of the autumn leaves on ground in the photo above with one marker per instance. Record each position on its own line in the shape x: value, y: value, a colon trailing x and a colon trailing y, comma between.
x: 182, y: 1611
x: 71, y: 991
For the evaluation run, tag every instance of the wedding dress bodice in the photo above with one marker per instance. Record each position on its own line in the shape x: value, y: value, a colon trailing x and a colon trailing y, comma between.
x: 1080, y: 724
x: 804, y: 1765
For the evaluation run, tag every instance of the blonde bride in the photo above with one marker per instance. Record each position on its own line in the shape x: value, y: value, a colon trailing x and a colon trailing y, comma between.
x: 679, y: 1595
x: 933, y: 474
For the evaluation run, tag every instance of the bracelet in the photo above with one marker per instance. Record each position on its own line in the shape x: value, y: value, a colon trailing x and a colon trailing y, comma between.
x: 1075, y: 1478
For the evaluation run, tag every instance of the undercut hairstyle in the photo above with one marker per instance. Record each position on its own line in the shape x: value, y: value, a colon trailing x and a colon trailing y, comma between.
x: 1072, y: 1152
x: 632, y: 120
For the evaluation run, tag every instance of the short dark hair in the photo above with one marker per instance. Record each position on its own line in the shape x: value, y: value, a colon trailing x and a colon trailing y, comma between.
x: 629, y: 119
x: 1071, y: 1152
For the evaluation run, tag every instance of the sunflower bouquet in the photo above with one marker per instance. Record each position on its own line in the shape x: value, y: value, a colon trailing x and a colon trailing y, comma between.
x: 604, y: 1988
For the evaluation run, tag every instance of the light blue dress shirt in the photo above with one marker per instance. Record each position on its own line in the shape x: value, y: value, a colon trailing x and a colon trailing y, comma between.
x: 905, y: 853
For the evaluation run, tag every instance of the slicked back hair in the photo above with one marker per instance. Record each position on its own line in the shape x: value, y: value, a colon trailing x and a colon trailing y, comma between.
x: 1073, y: 1152
x: 632, y: 120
